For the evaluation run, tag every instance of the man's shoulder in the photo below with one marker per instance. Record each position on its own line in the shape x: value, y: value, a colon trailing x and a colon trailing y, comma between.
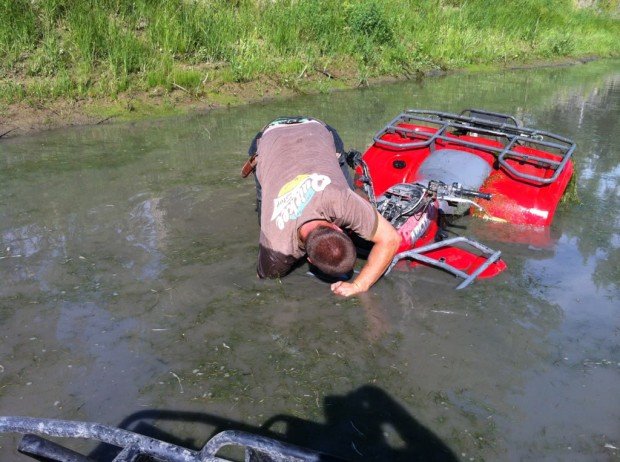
x: 353, y: 212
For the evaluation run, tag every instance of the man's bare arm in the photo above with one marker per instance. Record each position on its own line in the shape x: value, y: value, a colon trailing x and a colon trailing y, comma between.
x: 387, y: 241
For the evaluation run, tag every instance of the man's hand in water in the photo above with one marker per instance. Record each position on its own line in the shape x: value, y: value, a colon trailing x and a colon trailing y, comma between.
x: 347, y: 288
x: 386, y: 241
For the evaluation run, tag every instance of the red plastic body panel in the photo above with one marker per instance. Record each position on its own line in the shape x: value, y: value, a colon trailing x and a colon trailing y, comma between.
x: 426, y: 226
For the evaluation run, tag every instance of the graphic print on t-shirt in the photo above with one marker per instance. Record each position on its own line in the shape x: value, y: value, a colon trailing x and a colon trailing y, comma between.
x: 295, y: 195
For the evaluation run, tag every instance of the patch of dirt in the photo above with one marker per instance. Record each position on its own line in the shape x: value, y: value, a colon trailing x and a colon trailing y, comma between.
x: 23, y: 118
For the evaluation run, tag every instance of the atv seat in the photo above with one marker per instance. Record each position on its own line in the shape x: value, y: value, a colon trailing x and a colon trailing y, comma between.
x: 453, y: 166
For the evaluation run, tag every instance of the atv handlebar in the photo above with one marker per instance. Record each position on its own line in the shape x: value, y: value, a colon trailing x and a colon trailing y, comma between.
x: 354, y: 159
x: 455, y: 189
x: 472, y: 193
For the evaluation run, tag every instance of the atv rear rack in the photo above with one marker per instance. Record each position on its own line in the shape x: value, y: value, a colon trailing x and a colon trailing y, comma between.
x: 447, y: 127
x: 417, y: 254
x: 136, y: 447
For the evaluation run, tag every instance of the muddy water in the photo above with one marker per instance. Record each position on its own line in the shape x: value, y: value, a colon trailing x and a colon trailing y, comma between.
x: 128, y: 293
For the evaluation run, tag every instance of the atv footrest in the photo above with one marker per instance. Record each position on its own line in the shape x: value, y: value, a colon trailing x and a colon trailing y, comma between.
x: 417, y: 254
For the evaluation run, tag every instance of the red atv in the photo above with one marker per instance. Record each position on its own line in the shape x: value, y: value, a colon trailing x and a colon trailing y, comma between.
x: 427, y: 166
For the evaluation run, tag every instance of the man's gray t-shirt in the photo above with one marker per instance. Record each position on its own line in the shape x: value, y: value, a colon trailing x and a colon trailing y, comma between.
x: 301, y: 180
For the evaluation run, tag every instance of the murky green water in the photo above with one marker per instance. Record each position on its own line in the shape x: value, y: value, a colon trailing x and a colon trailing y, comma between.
x: 128, y: 293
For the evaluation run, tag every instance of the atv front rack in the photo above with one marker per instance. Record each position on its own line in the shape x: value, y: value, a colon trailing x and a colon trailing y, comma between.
x: 447, y: 128
x: 135, y: 447
x: 417, y: 254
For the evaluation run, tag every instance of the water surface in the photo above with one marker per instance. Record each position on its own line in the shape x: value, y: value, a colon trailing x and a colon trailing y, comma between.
x: 128, y: 293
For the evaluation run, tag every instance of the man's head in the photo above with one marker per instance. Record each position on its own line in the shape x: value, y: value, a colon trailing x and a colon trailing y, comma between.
x: 330, y: 250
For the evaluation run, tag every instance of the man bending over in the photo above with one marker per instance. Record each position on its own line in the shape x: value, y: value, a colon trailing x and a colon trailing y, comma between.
x: 304, y: 201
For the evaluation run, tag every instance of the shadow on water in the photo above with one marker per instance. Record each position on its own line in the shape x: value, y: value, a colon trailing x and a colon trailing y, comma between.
x: 354, y: 429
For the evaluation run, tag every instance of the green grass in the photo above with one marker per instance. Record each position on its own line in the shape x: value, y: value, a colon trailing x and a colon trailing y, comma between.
x: 80, y: 48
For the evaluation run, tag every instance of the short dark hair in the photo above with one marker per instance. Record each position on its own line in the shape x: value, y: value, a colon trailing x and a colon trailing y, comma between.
x: 331, y: 251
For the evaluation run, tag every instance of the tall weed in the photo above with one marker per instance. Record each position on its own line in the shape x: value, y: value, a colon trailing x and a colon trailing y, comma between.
x: 18, y: 28
x: 107, y: 46
x: 370, y: 22
x: 246, y: 61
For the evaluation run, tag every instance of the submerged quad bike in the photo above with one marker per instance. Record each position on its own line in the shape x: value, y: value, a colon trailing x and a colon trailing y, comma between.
x: 427, y: 166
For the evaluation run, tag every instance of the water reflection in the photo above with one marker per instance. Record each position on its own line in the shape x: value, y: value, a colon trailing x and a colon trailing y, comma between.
x: 34, y: 249
x: 592, y: 223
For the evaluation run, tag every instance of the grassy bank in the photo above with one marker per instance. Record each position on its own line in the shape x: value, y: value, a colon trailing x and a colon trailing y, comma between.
x: 79, y: 49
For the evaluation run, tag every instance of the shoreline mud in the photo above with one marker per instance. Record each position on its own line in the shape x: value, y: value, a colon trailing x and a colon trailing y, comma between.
x: 27, y: 118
